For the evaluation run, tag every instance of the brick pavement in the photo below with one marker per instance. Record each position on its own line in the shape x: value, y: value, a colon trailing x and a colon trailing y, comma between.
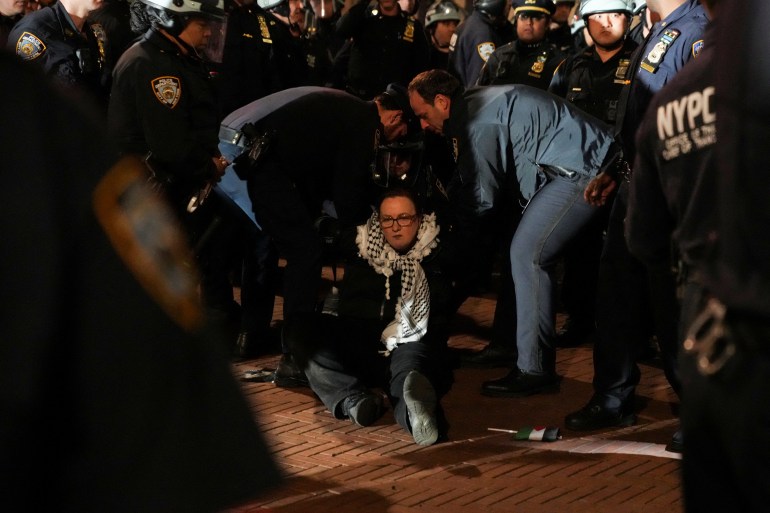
x: 335, y: 466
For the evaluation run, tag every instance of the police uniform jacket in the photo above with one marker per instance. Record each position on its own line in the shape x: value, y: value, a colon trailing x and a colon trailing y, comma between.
x: 669, y: 46
x: 385, y: 49
x: 49, y: 38
x: 162, y: 102
x: 472, y: 44
x: 592, y: 85
x: 518, y: 63
x: 144, y: 405
x: 325, y: 140
x: 674, y: 184
x: 261, y: 57
x: 503, y: 137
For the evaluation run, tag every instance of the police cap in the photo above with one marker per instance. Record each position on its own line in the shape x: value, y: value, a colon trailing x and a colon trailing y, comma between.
x: 534, y: 6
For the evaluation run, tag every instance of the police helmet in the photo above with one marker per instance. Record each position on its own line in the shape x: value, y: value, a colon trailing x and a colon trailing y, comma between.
x: 214, y: 9
x: 494, y: 8
x: 269, y: 4
x: 639, y: 5
x: 442, y: 10
x: 589, y: 7
x: 578, y: 25
x: 398, y: 163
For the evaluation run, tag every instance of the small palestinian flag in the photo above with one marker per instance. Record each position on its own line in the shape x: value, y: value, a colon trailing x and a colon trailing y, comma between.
x: 538, y: 434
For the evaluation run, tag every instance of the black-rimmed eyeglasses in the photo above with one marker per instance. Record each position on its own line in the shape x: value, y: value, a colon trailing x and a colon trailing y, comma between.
x: 403, y: 221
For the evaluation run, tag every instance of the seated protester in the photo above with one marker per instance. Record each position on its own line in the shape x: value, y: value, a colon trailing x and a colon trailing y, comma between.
x: 391, y: 328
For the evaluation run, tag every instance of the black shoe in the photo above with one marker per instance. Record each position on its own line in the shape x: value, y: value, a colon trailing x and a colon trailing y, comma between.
x: 519, y: 384
x: 489, y: 357
x: 245, y: 346
x: 574, y: 333
x: 288, y: 374
x: 420, y: 399
x: 595, y: 416
x: 677, y: 443
x: 363, y: 408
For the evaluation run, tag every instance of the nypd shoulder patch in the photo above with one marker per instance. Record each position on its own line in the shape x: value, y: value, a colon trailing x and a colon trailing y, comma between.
x: 146, y: 235
x: 29, y: 46
x: 697, y: 46
x: 168, y: 90
x: 485, y: 50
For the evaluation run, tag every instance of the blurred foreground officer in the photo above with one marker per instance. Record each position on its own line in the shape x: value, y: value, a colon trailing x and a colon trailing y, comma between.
x: 298, y: 148
x: 485, y: 30
x: 114, y: 396
x: 552, y: 151
x: 727, y: 363
x: 66, y: 46
x: 531, y: 59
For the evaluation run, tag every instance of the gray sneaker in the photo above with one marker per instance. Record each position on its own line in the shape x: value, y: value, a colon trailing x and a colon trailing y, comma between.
x: 363, y: 408
x: 420, y: 398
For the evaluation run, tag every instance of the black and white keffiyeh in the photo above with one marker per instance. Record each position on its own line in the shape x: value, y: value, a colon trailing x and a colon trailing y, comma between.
x: 413, y: 306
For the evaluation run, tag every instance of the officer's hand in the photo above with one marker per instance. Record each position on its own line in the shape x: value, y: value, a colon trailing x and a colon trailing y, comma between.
x: 599, y: 189
x: 220, y: 163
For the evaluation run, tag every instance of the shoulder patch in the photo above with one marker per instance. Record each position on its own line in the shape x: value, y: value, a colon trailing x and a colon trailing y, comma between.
x: 697, y: 46
x: 29, y: 46
x: 485, y: 50
x: 143, y: 231
x: 167, y: 90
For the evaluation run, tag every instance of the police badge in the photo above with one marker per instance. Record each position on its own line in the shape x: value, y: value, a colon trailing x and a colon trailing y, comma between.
x: 167, y: 90
x: 485, y: 50
x: 539, y: 64
x: 29, y: 47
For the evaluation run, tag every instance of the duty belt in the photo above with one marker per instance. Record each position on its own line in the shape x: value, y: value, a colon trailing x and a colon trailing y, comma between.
x: 232, y: 136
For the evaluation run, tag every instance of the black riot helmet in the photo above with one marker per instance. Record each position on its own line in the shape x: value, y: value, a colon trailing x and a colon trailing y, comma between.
x: 398, y: 163
x: 494, y: 9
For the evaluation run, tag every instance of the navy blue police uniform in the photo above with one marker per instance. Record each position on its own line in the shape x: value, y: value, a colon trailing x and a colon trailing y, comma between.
x: 472, y: 44
x: 49, y: 38
x: 519, y: 63
x: 624, y: 307
x: 384, y: 49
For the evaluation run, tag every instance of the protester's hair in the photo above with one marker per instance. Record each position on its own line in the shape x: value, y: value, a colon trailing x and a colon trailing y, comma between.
x: 432, y: 82
x: 400, y: 193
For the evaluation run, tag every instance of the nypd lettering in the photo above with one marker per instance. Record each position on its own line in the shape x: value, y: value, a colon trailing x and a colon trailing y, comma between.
x: 167, y: 90
x: 485, y: 50
x: 687, y: 124
x: 29, y: 47
x: 655, y: 57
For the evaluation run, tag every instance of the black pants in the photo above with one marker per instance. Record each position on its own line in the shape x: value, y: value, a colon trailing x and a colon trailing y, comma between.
x: 631, y: 298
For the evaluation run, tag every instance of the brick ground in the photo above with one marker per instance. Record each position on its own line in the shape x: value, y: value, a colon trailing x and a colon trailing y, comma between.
x: 335, y: 466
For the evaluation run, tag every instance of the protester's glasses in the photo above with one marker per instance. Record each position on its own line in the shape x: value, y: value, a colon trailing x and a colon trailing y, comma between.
x: 403, y: 221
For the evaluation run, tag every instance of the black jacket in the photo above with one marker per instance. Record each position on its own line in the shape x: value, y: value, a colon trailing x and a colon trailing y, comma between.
x: 516, y: 63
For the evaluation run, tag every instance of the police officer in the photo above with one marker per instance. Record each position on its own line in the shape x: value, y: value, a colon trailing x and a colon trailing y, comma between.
x: 102, y: 331
x: 441, y: 22
x: 559, y: 32
x: 624, y: 303
x: 674, y: 184
x: 67, y: 47
x: 531, y: 59
x: 11, y: 12
x: 592, y: 80
x: 726, y: 373
x: 320, y: 146
x: 485, y: 30
x: 387, y: 46
x: 554, y: 158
